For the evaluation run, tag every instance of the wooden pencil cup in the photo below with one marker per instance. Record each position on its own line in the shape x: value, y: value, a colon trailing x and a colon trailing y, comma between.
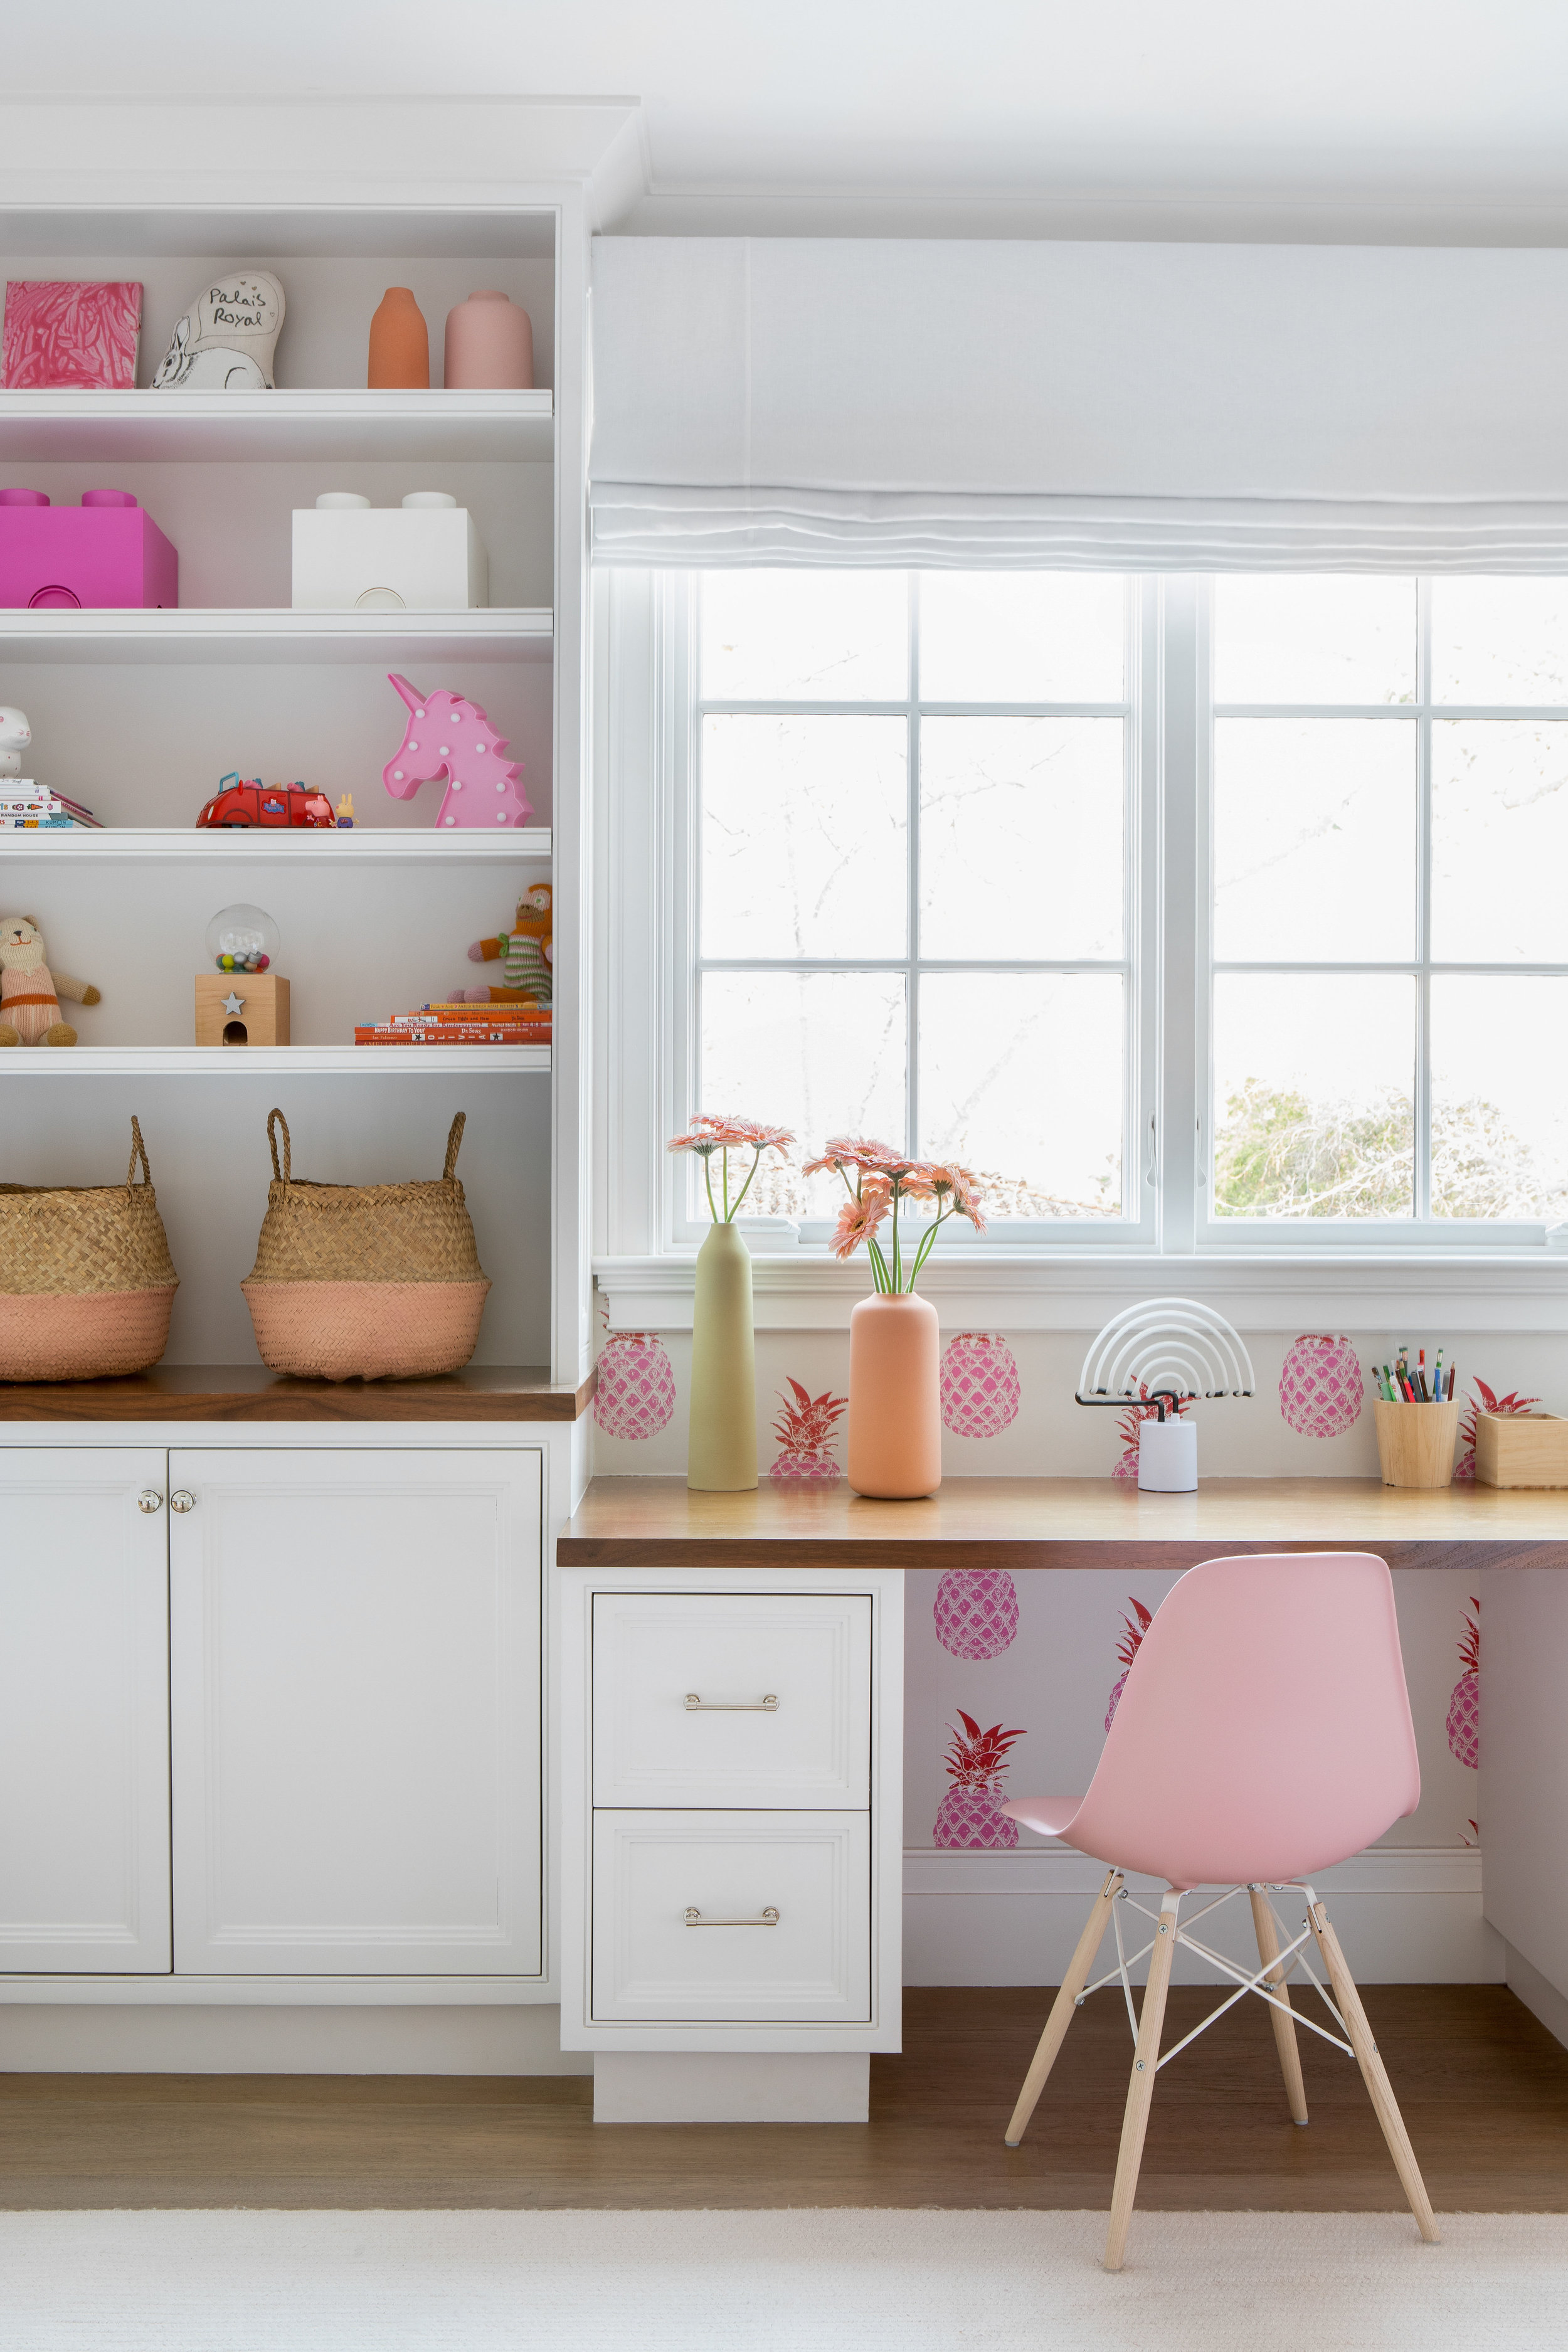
x: 1416, y: 1443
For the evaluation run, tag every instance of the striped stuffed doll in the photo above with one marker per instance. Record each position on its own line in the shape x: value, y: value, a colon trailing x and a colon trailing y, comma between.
x: 523, y: 953
x: 30, y: 992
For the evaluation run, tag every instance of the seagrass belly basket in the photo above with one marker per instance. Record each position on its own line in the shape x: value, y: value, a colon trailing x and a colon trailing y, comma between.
x: 365, y: 1281
x: 87, y: 1284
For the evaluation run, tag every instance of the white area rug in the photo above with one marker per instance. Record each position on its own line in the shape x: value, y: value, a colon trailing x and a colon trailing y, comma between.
x: 802, y: 2281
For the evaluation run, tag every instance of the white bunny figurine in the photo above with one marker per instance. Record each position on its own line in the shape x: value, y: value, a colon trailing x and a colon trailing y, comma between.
x: 15, y: 737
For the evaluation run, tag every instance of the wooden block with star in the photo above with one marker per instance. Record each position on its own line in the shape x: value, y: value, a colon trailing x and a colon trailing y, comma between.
x: 241, y: 1008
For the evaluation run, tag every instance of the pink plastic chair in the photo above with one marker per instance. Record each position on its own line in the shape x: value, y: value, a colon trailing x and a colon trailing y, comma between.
x: 1263, y: 1734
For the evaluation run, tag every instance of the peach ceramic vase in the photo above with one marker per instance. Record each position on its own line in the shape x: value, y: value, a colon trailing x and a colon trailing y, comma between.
x: 721, y: 1440
x: 895, y: 1400
x: 399, y: 344
x: 490, y: 346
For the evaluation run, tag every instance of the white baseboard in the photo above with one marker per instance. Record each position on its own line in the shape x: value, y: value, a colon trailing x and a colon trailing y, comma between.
x: 1405, y: 1915
x: 723, y: 2086
x: 38, y: 2039
x: 1539, y: 1994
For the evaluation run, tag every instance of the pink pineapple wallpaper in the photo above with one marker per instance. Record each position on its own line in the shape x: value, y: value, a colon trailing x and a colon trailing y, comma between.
x: 806, y: 1430
x: 981, y: 1391
x: 976, y: 1764
x: 1322, y: 1385
x: 62, y: 335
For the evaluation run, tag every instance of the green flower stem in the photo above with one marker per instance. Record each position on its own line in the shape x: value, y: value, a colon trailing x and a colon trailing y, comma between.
x: 757, y: 1158
x: 878, y: 1265
x: 707, y: 1159
x: 925, y: 1247
x: 898, y: 1263
x: 725, y: 1180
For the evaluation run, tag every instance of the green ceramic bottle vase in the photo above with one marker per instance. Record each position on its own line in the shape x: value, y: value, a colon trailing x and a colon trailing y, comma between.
x: 722, y: 1445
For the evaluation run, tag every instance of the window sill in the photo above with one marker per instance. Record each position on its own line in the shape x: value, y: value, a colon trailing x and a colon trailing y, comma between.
x: 1056, y: 1290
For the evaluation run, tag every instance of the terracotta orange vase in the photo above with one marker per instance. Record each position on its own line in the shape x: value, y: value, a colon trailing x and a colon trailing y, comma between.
x: 895, y: 1403
x: 399, y: 344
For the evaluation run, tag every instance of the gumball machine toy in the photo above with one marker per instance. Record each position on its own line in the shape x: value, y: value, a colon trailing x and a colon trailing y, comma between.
x: 243, y: 1000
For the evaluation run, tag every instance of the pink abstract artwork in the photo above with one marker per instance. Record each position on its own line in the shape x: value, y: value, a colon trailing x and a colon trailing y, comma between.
x: 62, y: 333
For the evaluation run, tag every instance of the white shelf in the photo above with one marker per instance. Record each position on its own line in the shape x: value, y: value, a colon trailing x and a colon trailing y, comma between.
x: 199, y: 635
x: 267, y: 1061
x: 204, y: 425
x: 364, y: 844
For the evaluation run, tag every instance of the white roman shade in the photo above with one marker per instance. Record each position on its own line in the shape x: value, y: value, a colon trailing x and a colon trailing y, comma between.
x: 1133, y: 406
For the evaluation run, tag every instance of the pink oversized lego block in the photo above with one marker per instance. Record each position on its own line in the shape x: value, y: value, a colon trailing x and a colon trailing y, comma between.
x: 104, y: 553
x: 62, y: 333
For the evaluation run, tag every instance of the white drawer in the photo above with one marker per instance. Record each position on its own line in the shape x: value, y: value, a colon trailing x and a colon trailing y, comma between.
x: 814, y: 1965
x: 809, y: 1654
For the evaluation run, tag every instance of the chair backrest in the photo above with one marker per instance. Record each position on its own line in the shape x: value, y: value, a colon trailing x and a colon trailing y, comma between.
x: 1264, y: 1731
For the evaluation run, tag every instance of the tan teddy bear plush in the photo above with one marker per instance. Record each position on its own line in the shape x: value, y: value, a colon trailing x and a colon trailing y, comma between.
x: 525, y: 954
x: 30, y: 992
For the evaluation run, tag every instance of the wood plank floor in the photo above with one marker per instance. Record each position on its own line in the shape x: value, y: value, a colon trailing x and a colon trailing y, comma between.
x: 1483, y: 2086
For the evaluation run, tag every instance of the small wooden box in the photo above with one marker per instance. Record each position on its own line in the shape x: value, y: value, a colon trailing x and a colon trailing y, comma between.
x: 263, y: 1016
x: 1521, y: 1449
x: 1416, y: 1443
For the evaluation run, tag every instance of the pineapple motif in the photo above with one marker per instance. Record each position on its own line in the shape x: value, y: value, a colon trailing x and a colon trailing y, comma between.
x: 1127, y: 1649
x: 804, y: 1430
x: 1321, y: 1389
x: 635, y: 1392
x: 976, y: 1612
x: 1513, y: 1402
x: 969, y: 1814
x: 1128, y: 1425
x: 1465, y: 1700
x: 980, y: 1389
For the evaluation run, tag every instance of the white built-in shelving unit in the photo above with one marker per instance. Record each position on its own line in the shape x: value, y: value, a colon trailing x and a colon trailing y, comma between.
x: 141, y: 713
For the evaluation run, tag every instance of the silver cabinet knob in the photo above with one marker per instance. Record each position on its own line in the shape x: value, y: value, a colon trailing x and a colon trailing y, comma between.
x: 149, y: 1499
x: 182, y: 1501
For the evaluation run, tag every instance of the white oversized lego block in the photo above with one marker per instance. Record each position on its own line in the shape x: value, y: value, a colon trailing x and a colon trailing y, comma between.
x: 426, y: 558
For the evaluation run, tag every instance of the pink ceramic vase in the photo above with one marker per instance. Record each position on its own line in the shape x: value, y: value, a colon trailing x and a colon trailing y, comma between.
x: 490, y: 346
x: 895, y: 1397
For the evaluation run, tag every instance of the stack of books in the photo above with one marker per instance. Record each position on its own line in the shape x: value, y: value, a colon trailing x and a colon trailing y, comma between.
x: 461, y: 1024
x: 29, y: 807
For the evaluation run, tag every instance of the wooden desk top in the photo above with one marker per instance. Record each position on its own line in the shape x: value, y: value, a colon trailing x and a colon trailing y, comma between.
x: 1059, y: 1522
x: 250, y: 1392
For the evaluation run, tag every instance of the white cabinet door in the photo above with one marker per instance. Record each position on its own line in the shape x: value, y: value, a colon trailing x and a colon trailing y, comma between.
x: 731, y: 1919
x: 356, y: 1665
x: 84, y: 1711
x: 728, y: 1698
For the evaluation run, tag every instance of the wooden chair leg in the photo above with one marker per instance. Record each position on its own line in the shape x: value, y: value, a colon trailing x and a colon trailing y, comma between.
x: 1140, y: 2088
x: 1062, y: 2008
x: 1379, y: 2089
x: 1284, y: 2031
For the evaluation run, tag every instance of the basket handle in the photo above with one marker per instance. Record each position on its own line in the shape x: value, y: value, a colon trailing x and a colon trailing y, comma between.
x: 453, y: 1145
x: 138, y: 1151
x: 286, y: 1171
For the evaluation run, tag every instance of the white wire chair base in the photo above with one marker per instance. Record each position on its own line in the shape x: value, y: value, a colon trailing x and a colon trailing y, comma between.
x: 1290, y: 1957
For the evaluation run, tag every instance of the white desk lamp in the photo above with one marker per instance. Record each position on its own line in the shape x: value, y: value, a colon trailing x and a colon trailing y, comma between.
x: 1170, y: 1349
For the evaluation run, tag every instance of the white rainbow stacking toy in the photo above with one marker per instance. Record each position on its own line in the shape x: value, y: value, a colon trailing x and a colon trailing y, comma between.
x: 1173, y: 1349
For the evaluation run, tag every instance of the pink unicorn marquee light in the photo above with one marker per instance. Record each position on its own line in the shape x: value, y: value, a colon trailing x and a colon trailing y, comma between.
x: 448, y: 735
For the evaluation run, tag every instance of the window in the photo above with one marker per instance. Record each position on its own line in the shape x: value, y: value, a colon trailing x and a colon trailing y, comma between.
x: 1387, y: 926
x: 911, y: 861
x: 1190, y: 913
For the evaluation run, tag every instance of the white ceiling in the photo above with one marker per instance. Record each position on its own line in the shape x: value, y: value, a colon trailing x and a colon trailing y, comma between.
x: 1421, y: 119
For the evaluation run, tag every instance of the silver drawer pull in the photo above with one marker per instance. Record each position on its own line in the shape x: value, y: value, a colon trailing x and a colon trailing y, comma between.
x: 695, y: 1706
x: 768, y: 1918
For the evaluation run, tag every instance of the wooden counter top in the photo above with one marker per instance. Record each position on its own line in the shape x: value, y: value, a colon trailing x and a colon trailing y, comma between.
x: 250, y: 1392
x: 1059, y: 1522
